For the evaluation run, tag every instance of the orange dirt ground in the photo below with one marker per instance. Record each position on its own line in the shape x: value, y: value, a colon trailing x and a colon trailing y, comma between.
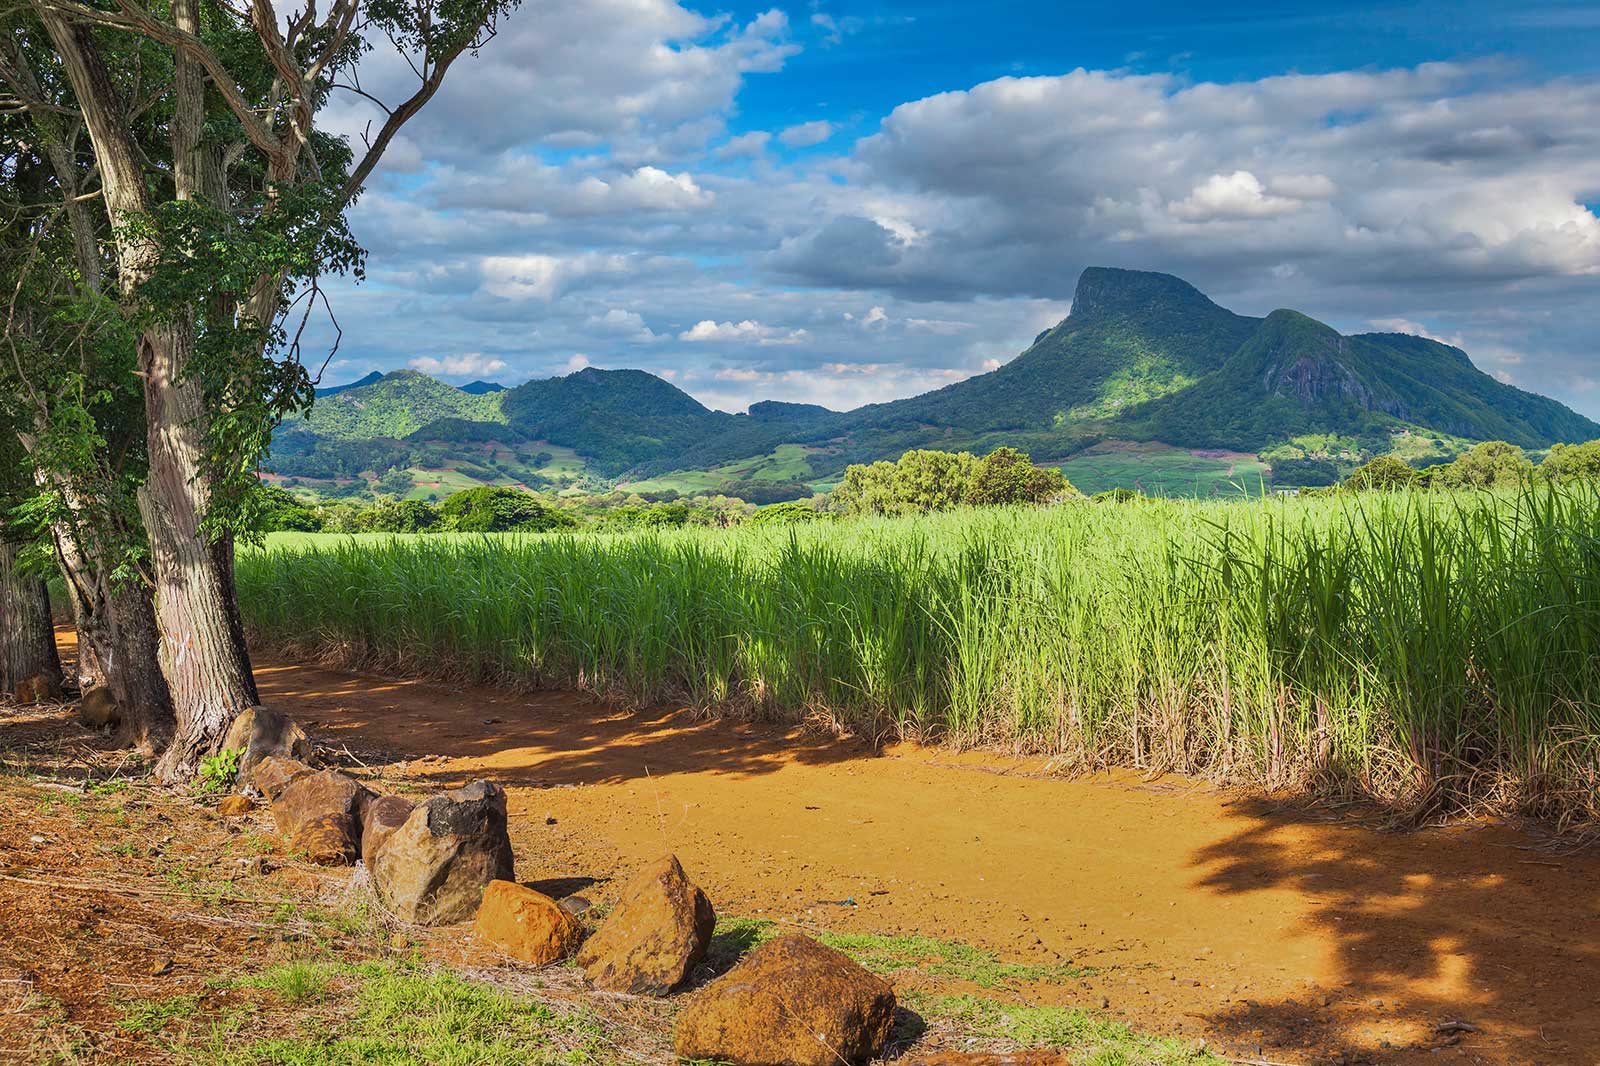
x: 1276, y: 934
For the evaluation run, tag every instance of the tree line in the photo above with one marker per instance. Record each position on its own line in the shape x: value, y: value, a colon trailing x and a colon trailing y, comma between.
x: 170, y: 202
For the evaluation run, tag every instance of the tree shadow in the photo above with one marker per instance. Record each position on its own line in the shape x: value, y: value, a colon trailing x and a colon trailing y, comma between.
x: 528, y: 739
x: 1479, y: 937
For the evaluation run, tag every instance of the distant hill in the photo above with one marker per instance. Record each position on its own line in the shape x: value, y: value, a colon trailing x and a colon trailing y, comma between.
x: 332, y: 390
x: 1142, y: 357
x: 480, y: 388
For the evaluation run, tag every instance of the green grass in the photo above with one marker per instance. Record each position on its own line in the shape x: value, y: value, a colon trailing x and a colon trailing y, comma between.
x: 889, y: 955
x: 1159, y: 470
x: 1087, y: 1038
x: 395, y: 1013
x: 787, y: 462
x: 1426, y: 650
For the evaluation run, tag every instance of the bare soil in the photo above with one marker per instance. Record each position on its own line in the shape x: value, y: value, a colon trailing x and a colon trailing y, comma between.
x: 1274, y: 934
x: 1264, y: 928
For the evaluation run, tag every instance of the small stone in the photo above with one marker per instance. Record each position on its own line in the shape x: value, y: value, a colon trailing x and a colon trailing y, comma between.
x: 525, y: 924
x: 235, y: 806
x: 791, y: 1001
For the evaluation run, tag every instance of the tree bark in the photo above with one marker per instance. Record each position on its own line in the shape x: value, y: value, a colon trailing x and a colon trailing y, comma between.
x: 117, y: 628
x: 27, y: 632
x: 206, y: 670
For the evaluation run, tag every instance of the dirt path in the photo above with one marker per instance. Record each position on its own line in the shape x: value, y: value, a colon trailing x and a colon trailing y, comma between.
x: 1199, y: 912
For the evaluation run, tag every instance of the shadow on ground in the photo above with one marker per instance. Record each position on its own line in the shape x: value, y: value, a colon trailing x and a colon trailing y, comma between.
x: 1498, y: 941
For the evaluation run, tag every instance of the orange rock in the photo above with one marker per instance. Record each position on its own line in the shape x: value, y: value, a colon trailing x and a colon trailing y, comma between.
x: 657, y: 934
x: 791, y: 1002
x: 38, y: 689
x: 98, y: 709
x: 275, y: 773
x: 525, y: 924
x: 234, y: 806
x: 383, y: 815
x: 320, y: 814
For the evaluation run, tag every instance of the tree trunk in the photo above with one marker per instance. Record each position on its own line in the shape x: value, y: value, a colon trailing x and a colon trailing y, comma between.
x: 200, y: 656
x: 27, y: 632
x: 117, y: 628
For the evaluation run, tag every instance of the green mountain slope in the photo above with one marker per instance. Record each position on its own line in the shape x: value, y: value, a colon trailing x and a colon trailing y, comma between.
x: 1142, y: 357
x: 1297, y: 376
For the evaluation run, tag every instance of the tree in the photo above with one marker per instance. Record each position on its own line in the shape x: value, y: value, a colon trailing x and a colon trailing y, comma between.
x: 27, y: 636
x: 1572, y: 462
x: 68, y: 397
x: 488, y: 509
x: 1008, y: 476
x: 1385, y: 473
x: 1491, y: 465
x: 927, y: 480
x: 213, y: 250
x: 867, y: 489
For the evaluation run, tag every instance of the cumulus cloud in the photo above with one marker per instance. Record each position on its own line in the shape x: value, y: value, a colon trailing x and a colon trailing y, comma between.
x: 547, y: 277
x: 748, y: 331
x: 1239, y: 195
x: 467, y: 364
x: 806, y: 134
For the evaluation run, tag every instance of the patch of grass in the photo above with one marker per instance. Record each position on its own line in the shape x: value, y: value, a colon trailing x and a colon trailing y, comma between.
x: 296, y: 982
x: 399, y: 1013
x: 152, y: 1015
x: 1084, y: 1036
x: 893, y: 954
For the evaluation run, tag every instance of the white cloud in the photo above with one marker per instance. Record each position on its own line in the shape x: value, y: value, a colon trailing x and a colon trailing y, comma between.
x: 547, y: 277
x: 748, y: 332
x: 746, y: 144
x: 624, y: 325
x: 467, y: 364
x: 577, y: 363
x: 1239, y: 195
x: 806, y: 134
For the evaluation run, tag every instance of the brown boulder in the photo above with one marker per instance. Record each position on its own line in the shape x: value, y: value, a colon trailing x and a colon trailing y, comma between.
x: 275, y: 773
x: 260, y: 733
x: 382, y: 817
x: 98, y: 709
x: 525, y: 924
x: 1027, y: 1057
x: 234, y: 806
x: 320, y: 814
x: 433, y: 869
x: 791, y: 1002
x: 38, y: 689
x: 657, y: 934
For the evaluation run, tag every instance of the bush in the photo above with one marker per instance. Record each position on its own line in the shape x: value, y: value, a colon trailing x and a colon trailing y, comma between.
x: 1385, y: 473
x: 1571, y: 462
x: 401, y: 516
x: 276, y: 511
x: 489, y: 509
x: 782, y: 514
x: 927, y: 480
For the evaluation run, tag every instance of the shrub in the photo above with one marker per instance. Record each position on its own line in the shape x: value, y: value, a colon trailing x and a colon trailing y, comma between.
x: 1570, y: 462
x: 489, y: 509
x: 1383, y: 473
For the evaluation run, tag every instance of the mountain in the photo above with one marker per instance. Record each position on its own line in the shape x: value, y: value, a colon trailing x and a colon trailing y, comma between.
x: 479, y: 388
x: 1142, y: 357
x: 331, y: 390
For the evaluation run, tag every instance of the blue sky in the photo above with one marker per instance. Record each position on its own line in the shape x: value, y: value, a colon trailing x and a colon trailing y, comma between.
x: 842, y: 203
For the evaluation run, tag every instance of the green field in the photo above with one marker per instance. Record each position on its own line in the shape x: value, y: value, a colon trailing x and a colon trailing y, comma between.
x: 787, y: 462
x: 1426, y: 650
x: 1161, y: 470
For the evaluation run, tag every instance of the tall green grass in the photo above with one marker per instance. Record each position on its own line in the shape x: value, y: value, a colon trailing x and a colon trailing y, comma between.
x: 1431, y: 651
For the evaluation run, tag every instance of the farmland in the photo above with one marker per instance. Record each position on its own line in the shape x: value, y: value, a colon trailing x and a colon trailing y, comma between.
x: 1427, y: 651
